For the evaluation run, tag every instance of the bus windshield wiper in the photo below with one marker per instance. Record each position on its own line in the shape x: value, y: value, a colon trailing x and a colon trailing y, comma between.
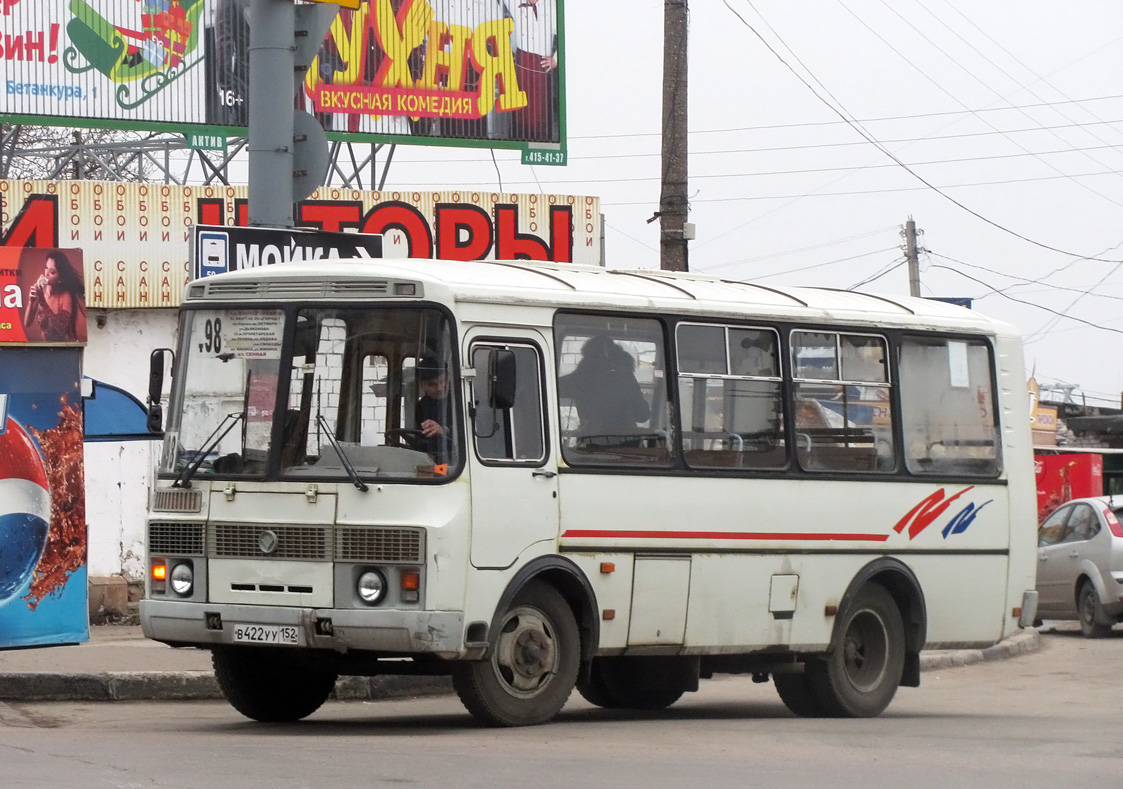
x: 354, y: 475
x: 184, y: 478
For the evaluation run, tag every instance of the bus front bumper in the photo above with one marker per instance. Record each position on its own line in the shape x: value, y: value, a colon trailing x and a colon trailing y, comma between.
x: 438, y: 633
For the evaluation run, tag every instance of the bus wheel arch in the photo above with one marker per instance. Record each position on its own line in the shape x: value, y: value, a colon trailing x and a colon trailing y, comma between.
x: 536, y: 643
x: 904, y: 587
x: 572, y: 584
x: 875, y: 646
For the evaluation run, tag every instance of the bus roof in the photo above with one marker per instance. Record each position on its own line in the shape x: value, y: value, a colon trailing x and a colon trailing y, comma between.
x: 591, y: 287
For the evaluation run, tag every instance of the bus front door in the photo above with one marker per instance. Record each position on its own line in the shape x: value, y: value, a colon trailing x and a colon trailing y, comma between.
x: 513, y: 469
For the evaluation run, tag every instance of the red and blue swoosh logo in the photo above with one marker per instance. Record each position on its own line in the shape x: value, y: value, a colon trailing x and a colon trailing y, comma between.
x: 929, y: 509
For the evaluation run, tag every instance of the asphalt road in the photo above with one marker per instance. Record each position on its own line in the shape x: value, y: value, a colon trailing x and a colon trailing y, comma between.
x: 1048, y: 719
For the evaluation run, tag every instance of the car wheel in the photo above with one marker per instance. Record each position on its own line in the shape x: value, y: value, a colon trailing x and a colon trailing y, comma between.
x: 1092, y: 619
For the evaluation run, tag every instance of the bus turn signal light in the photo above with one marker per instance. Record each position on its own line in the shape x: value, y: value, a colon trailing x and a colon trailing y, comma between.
x: 411, y: 586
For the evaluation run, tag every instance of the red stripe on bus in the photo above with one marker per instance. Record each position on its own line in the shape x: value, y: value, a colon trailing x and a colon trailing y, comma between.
x: 715, y: 535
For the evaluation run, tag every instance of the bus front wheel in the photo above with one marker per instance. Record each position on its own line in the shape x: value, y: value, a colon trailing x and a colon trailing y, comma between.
x: 532, y: 666
x: 268, y: 686
x: 860, y: 676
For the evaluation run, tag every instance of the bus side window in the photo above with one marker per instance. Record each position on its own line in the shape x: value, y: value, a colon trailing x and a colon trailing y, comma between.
x: 843, y: 402
x: 729, y: 390
x: 947, y: 407
x: 612, y: 399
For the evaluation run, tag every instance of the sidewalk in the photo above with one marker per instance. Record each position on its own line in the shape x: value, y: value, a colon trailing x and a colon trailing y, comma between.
x: 119, y: 664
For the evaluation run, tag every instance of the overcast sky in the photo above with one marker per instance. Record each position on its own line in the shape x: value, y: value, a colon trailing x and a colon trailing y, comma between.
x: 1012, y: 112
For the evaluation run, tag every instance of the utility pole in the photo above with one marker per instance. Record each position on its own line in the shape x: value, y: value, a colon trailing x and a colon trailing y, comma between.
x: 674, y: 231
x: 911, y: 256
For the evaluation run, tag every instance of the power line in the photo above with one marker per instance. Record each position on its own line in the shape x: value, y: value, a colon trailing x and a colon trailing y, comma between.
x: 857, y: 192
x: 998, y: 292
x: 806, y: 124
x: 846, y: 117
x: 948, y: 93
x: 802, y: 268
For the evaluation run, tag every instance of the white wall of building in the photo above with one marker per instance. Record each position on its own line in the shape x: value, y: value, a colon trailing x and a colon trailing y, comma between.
x: 118, y: 474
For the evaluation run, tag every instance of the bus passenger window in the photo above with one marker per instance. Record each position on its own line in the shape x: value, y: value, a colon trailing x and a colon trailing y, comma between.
x: 729, y: 391
x: 947, y: 407
x: 611, y: 391
x: 843, y: 404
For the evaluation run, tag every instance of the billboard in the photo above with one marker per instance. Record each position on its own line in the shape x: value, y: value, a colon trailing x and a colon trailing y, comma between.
x: 43, y: 594
x: 481, y: 73
x: 135, y: 238
x: 42, y: 296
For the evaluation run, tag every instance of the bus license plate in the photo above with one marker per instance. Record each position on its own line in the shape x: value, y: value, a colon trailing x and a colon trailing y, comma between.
x: 267, y: 634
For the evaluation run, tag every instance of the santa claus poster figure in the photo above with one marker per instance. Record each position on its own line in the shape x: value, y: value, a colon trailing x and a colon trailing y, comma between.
x: 43, y: 592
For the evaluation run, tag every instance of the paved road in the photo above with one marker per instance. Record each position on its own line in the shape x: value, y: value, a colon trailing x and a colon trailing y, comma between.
x: 1048, y: 719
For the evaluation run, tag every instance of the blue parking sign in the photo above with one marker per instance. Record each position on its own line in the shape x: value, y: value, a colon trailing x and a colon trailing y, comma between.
x: 213, y: 253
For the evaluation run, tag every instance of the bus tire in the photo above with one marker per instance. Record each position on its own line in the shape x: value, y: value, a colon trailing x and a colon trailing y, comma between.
x: 593, y: 689
x: 860, y: 676
x: 266, y: 686
x: 644, y: 683
x: 532, y: 666
x: 797, y: 694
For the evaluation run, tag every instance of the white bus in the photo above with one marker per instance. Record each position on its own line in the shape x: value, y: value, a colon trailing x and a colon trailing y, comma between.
x: 640, y: 479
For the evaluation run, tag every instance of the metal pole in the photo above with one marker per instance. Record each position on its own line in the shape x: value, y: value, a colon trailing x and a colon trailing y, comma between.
x: 272, y: 66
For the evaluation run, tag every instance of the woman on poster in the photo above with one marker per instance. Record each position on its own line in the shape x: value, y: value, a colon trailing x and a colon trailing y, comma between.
x: 55, y: 299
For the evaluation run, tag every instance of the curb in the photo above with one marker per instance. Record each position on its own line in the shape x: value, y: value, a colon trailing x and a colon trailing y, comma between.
x: 201, y: 685
x: 190, y: 686
x: 1023, y: 643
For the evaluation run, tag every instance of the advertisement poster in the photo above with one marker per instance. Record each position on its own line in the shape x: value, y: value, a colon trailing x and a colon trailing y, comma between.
x: 43, y: 593
x: 1062, y: 478
x: 42, y: 296
x: 483, y: 72
x: 136, y: 238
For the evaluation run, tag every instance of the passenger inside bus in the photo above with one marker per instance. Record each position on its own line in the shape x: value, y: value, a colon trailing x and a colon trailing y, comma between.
x: 434, y: 409
x: 603, y: 386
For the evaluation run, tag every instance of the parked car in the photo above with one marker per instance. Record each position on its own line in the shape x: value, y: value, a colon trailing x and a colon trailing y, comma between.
x: 1080, y: 564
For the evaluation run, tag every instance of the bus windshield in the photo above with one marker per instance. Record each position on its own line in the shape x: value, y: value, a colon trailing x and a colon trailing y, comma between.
x: 337, y: 392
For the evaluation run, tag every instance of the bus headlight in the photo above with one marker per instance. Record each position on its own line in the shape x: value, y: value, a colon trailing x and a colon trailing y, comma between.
x: 182, y: 579
x: 371, y: 587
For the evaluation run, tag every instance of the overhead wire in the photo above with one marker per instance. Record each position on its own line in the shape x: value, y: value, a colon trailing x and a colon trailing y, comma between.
x: 974, y: 76
x: 846, y: 116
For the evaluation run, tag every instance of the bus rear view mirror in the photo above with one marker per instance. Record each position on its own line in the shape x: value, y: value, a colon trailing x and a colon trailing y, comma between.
x: 501, y: 379
x: 155, y: 390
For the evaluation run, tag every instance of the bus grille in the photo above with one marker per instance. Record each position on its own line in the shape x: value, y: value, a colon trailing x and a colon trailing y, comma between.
x: 244, y: 541
x: 180, y: 539
x: 177, y: 500
x: 356, y: 544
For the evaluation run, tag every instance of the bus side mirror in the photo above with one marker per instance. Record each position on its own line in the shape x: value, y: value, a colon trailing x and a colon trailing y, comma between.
x: 501, y: 379
x: 155, y: 389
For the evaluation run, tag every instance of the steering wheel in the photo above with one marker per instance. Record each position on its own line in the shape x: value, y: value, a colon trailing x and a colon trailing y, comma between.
x: 406, y: 437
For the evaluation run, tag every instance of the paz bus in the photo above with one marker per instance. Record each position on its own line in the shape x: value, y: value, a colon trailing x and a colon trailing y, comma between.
x: 643, y: 479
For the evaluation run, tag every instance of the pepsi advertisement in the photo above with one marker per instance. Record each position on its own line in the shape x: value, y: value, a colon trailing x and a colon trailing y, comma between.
x: 43, y: 594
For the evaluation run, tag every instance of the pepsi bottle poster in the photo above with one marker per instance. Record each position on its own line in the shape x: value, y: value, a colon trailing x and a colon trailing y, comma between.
x: 43, y: 593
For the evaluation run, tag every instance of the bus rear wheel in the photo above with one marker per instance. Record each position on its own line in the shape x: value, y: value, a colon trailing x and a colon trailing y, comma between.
x: 860, y: 676
x: 269, y: 686
x: 797, y: 694
x: 532, y: 666
x: 638, y: 683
